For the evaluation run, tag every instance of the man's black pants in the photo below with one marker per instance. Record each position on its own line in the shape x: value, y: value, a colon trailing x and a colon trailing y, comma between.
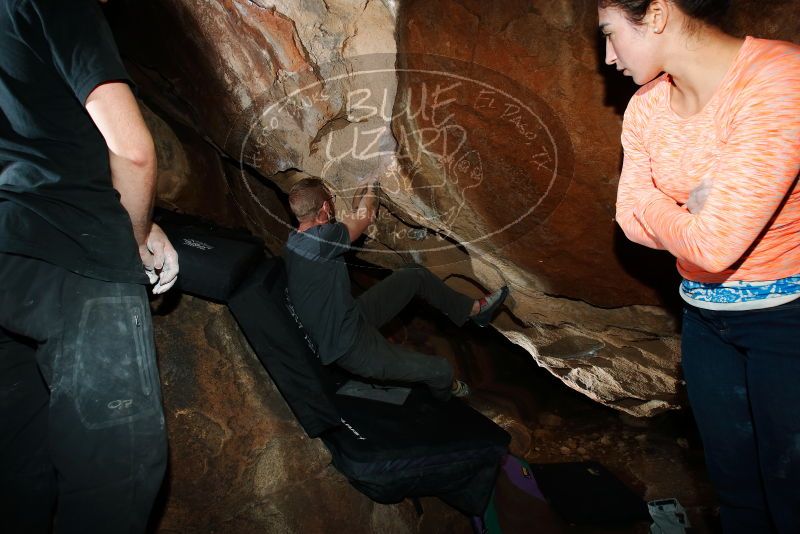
x: 81, y: 425
x: 373, y: 356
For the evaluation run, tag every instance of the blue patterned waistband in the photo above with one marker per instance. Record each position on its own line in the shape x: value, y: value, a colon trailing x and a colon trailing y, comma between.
x: 740, y: 291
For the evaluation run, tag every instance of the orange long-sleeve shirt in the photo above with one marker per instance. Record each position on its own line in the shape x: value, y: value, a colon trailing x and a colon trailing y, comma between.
x: 747, y: 141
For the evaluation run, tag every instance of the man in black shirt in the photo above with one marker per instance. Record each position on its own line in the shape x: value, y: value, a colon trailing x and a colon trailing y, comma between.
x: 345, y: 329
x: 81, y: 424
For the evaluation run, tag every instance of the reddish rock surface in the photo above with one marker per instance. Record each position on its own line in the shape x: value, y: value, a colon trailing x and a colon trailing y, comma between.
x: 547, y: 54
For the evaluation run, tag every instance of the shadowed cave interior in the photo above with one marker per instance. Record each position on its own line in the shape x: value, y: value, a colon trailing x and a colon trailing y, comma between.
x: 495, y: 127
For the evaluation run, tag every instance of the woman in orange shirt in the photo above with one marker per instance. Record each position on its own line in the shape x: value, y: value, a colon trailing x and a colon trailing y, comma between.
x: 712, y: 157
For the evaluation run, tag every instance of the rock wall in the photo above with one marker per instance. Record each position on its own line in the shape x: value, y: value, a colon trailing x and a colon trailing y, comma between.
x: 494, y: 128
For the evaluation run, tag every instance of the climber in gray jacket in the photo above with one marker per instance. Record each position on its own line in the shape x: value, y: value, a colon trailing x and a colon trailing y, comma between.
x: 345, y: 329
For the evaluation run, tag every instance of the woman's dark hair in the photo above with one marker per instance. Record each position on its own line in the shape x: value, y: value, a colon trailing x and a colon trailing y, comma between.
x: 708, y: 11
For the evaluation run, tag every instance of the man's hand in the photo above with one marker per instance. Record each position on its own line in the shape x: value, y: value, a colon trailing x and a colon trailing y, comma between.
x: 160, y: 260
x: 366, y: 200
x: 371, y: 199
x: 698, y: 196
x: 365, y: 208
x: 358, y: 196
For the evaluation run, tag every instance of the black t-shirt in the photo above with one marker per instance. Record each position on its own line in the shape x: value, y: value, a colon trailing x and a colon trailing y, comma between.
x: 319, y: 288
x: 57, y: 202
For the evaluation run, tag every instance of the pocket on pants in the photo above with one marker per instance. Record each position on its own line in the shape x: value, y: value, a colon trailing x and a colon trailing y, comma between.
x: 115, y: 378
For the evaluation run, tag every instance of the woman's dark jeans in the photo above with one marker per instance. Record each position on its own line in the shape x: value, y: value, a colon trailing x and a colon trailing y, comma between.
x: 742, y: 371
